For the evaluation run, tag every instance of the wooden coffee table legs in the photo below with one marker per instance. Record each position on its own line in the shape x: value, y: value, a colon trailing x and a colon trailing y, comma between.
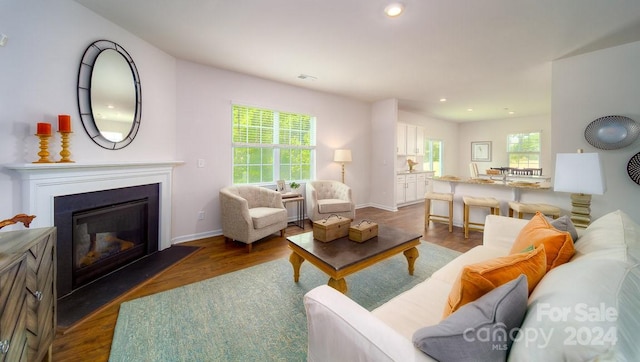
x: 411, y: 255
x: 339, y: 283
x: 296, y: 260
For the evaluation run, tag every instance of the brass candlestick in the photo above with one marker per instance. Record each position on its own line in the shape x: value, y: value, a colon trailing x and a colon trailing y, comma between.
x: 65, y: 153
x: 44, y: 148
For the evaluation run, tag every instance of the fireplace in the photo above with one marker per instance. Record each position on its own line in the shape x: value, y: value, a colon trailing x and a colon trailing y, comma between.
x: 102, y: 231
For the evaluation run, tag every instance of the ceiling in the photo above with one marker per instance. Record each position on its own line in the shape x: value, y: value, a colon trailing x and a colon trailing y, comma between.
x: 491, y: 56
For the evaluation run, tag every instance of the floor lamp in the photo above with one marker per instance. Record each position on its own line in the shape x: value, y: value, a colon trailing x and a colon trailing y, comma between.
x: 342, y: 156
x: 581, y: 174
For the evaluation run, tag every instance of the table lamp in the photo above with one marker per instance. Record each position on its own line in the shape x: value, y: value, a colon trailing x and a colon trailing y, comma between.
x: 581, y: 174
x: 342, y: 156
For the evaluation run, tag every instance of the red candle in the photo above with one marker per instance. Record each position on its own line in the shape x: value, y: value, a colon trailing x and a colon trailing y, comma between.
x: 64, y: 123
x: 44, y: 129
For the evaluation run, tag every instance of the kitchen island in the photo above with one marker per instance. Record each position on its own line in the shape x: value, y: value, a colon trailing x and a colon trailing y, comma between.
x: 504, y: 190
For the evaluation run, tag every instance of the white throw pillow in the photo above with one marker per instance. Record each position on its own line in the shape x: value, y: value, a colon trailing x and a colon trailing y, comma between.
x: 607, y: 237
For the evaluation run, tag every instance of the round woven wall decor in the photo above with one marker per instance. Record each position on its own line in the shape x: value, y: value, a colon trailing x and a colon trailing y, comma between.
x: 612, y: 132
x: 633, y: 168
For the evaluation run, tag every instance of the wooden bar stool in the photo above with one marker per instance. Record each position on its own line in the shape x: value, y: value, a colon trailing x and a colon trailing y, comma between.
x: 428, y: 216
x: 490, y: 202
x: 522, y: 208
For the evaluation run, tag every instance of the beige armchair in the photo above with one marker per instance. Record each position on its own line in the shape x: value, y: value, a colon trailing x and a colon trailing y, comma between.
x: 250, y: 213
x: 327, y: 197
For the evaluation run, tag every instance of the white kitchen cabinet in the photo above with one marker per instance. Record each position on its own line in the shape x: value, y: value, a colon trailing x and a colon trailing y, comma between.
x: 411, y: 187
x: 410, y: 139
x: 421, y: 185
x: 401, y: 182
x: 402, y: 139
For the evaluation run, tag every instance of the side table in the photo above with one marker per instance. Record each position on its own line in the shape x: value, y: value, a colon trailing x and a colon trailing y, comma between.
x: 300, y: 203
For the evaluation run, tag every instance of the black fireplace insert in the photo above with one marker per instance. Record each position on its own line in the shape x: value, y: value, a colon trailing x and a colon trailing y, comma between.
x: 100, y: 232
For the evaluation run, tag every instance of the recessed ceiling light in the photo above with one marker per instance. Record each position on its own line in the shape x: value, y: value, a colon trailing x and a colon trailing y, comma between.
x: 469, y: 109
x: 394, y: 9
x: 443, y: 99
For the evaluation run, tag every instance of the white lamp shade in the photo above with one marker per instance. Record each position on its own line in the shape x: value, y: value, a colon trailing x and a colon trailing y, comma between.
x: 342, y: 156
x: 579, y: 173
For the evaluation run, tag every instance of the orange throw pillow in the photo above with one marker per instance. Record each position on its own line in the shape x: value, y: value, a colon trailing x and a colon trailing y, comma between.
x: 476, y: 280
x: 557, y: 244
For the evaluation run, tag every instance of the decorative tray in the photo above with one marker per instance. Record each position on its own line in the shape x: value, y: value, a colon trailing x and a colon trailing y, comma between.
x: 612, y: 132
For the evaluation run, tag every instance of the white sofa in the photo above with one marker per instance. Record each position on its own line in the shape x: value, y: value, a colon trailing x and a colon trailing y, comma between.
x: 591, y: 304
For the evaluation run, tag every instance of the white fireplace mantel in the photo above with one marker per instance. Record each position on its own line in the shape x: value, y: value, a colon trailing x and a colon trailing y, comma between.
x: 42, y: 182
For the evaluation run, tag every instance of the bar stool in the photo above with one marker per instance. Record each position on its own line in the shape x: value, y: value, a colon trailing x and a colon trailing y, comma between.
x: 523, y: 208
x: 428, y: 216
x: 490, y: 202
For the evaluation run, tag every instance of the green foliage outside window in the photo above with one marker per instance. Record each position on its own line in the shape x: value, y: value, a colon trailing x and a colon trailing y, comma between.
x: 433, y: 156
x: 270, y: 145
x: 523, y: 150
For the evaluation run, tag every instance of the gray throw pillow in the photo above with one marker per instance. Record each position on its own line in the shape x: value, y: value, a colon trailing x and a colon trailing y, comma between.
x: 564, y: 223
x: 482, y: 330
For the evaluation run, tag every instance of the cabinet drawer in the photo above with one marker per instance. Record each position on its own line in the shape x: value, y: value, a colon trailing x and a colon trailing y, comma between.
x: 411, y: 178
x: 13, y: 317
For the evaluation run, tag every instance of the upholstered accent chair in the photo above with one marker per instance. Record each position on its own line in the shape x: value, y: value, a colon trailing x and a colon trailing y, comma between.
x: 327, y: 197
x: 250, y: 213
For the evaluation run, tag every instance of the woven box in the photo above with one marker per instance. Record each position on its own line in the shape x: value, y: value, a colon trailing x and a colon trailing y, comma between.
x: 363, y: 231
x: 331, y: 228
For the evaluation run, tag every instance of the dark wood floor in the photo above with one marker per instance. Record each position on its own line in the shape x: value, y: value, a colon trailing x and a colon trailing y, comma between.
x: 90, y: 340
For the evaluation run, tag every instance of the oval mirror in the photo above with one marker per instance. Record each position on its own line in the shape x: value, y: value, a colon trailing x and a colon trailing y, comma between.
x: 109, y: 95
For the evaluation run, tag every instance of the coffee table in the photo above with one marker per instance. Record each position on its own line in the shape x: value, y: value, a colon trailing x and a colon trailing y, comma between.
x: 342, y: 257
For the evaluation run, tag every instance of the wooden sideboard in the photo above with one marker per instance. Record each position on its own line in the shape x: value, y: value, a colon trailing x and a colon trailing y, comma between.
x: 27, y: 294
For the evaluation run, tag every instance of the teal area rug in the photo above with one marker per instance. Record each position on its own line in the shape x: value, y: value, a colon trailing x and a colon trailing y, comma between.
x: 255, y: 314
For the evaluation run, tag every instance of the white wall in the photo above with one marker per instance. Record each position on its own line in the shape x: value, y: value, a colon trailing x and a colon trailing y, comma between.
x: 384, y: 118
x: 496, y: 131
x: 204, y: 101
x: 40, y: 62
x: 593, y: 85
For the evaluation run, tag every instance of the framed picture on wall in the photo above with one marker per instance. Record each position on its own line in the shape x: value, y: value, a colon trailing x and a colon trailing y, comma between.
x: 481, y: 151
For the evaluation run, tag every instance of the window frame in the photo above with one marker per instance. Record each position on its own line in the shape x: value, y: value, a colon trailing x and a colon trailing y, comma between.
x: 272, y: 137
x: 428, y: 162
x: 525, y: 154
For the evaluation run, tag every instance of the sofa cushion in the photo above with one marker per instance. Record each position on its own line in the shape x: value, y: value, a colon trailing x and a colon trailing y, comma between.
x: 415, y: 308
x: 558, y: 244
x: 608, y: 237
x: 588, y: 308
x: 564, y: 223
x: 476, y: 280
x: 451, y: 272
x: 463, y: 335
x: 327, y: 206
x: 573, y: 313
x: 265, y: 216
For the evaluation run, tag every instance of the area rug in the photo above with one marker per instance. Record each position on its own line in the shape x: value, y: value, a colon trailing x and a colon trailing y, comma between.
x: 255, y: 314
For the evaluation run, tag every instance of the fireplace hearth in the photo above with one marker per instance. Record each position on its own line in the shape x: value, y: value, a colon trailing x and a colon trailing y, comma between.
x: 102, y: 231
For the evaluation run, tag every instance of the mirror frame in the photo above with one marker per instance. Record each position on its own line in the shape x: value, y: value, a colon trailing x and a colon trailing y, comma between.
x: 84, y: 94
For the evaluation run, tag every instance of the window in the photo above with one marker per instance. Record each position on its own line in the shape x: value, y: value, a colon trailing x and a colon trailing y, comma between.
x: 269, y: 145
x: 523, y: 150
x: 433, y: 156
